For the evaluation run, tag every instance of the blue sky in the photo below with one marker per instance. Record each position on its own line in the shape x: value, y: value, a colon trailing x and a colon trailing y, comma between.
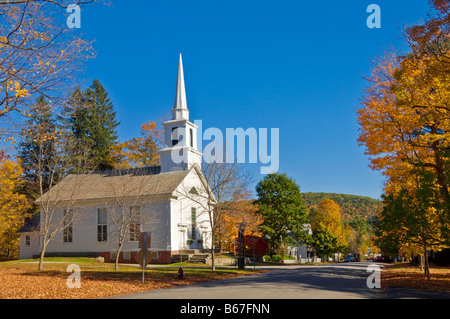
x: 293, y: 65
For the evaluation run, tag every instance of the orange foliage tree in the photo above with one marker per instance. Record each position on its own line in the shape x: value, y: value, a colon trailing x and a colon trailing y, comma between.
x: 139, y: 151
x: 405, y: 127
x: 327, y: 217
x: 234, y: 213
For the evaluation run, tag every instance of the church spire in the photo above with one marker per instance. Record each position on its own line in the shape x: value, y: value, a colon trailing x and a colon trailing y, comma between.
x: 180, y: 111
x: 180, y: 92
x: 180, y: 134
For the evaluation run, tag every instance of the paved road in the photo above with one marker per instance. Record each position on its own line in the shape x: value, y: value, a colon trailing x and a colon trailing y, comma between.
x: 330, y: 281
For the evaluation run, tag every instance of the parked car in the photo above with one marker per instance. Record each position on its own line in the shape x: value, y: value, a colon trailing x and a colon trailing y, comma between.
x: 349, y: 259
x: 382, y: 259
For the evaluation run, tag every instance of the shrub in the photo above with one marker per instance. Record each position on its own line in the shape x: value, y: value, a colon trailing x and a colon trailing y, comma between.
x: 276, y: 258
x: 288, y: 257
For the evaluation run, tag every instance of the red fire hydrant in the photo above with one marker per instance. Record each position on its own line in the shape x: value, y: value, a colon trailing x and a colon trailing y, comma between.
x: 180, y: 273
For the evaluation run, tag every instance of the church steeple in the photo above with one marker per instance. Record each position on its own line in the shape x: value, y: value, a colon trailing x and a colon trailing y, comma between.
x: 180, y: 92
x: 180, y: 110
x: 180, y: 134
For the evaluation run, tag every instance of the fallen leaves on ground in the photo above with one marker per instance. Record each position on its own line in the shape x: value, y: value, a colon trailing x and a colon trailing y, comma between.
x: 409, y: 276
x: 24, y: 281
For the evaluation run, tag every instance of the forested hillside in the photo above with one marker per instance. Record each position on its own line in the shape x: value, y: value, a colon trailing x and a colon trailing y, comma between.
x: 351, y: 205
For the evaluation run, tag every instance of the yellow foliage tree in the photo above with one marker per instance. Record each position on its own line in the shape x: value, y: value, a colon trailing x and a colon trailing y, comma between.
x: 327, y: 217
x: 38, y: 53
x: 404, y: 119
x: 405, y: 126
x: 13, y: 206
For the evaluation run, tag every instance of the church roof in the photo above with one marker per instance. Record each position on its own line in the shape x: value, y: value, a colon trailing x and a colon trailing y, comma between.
x: 32, y: 225
x: 115, y: 184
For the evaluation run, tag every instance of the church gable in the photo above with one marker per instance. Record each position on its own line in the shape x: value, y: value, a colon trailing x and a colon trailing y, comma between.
x: 194, y: 186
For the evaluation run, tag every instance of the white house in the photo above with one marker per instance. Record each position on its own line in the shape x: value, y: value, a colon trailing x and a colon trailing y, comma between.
x: 29, y: 238
x: 170, y: 201
x: 303, y: 253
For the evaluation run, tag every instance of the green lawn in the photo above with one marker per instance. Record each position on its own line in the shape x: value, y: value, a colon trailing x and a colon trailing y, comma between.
x: 68, y: 260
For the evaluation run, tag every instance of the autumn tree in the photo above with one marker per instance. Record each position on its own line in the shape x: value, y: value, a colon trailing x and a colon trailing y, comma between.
x: 432, y: 37
x: 408, y: 220
x: 13, y: 206
x: 39, y: 54
x: 359, y: 235
x: 140, y: 151
x: 236, y: 212
x: 404, y: 119
x: 405, y: 127
x: 328, y: 217
x: 281, y: 207
x: 254, y: 246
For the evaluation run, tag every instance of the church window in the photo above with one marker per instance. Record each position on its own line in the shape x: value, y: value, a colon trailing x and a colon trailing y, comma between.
x: 27, y: 240
x: 174, y: 136
x: 191, y: 135
x: 193, y: 222
x: 135, y: 226
x: 68, y: 226
x: 102, y: 224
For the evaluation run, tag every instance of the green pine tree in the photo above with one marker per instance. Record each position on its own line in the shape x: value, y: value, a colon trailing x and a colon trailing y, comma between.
x: 90, y: 121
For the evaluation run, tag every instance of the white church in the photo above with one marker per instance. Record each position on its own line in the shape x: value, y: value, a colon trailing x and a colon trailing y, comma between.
x: 90, y: 212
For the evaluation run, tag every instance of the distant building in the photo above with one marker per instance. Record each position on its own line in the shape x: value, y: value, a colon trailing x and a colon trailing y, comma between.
x: 303, y: 253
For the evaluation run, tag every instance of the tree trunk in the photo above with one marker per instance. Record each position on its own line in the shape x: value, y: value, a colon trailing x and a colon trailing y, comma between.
x: 421, y: 262
x: 41, y: 257
x: 116, y: 262
x: 44, y: 247
x: 213, y: 265
x: 282, y: 250
x: 427, y: 266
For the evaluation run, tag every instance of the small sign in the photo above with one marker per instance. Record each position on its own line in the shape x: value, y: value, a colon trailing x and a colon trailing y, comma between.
x: 148, y: 257
x: 143, y: 257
